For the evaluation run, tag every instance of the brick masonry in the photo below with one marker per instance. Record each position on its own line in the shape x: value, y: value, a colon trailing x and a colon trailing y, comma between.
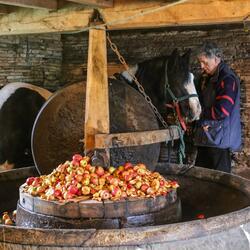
x: 31, y: 59
x: 52, y: 61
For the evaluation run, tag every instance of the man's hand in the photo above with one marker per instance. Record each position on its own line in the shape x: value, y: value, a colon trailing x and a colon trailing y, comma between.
x: 206, y: 128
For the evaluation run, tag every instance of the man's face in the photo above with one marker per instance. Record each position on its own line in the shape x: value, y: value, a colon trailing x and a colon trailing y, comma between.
x: 208, y: 65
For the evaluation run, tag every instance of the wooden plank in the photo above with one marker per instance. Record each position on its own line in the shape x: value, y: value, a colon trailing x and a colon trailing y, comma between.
x: 135, y: 138
x: 37, y: 4
x: 43, y: 21
x: 5, y: 9
x: 95, y: 3
x: 125, y: 15
x: 142, y: 14
x: 97, y: 100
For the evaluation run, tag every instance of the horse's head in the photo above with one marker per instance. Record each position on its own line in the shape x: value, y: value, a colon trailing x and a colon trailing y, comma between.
x: 180, y: 85
x: 155, y: 74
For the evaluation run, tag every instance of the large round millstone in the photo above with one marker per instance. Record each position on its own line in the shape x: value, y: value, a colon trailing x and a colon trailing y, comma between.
x: 59, y: 126
x: 34, y: 212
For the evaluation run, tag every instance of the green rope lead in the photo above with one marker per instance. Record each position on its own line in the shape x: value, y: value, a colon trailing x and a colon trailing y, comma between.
x: 181, y: 150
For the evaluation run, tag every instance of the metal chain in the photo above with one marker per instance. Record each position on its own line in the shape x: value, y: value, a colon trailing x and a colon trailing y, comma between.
x: 139, y: 86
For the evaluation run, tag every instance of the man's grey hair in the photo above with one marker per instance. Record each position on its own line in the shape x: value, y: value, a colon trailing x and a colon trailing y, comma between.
x: 210, y: 50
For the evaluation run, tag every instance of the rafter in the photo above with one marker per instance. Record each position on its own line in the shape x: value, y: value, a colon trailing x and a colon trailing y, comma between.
x: 4, y: 9
x: 126, y: 15
x: 96, y: 3
x: 36, y: 4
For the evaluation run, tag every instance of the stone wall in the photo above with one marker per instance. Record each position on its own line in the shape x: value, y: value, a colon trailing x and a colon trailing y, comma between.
x: 33, y: 59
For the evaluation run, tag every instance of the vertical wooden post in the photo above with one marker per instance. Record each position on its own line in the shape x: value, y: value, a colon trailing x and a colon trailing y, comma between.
x: 97, y: 100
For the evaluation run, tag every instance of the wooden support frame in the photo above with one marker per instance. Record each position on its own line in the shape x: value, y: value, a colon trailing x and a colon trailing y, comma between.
x: 97, y: 99
x: 95, y: 3
x: 36, y: 4
x: 135, y: 138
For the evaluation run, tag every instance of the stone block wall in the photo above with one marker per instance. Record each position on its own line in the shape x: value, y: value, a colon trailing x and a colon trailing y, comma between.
x: 35, y: 59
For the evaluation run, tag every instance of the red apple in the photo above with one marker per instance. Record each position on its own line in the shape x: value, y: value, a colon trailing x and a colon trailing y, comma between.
x: 79, y: 177
x: 76, y: 163
x: 114, y: 181
x: 144, y: 187
x: 99, y: 171
x: 128, y: 165
x: 40, y: 190
x: 94, y: 180
x: 116, y: 192
x: 30, y: 180
x: 93, y: 191
x: 128, y: 177
x: 72, y: 189
x: 77, y: 157
x: 162, y: 183
x: 57, y: 193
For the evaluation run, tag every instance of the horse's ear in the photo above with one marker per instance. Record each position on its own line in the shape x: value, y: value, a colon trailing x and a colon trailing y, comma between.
x: 175, y: 53
x: 174, y: 59
x: 186, y: 56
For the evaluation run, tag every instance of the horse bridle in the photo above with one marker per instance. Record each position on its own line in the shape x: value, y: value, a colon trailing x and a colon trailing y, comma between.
x: 175, y: 104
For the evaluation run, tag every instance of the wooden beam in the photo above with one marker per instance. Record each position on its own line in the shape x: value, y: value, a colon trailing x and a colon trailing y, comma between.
x: 36, y: 4
x: 97, y: 100
x: 27, y: 21
x: 126, y: 15
x: 141, y: 14
x: 4, y: 9
x: 135, y: 138
x: 95, y: 3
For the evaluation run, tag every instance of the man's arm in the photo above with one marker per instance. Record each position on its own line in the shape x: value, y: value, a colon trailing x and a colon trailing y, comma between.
x: 226, y: 93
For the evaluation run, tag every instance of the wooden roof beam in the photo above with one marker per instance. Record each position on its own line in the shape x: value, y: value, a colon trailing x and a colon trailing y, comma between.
x: 126, y: 15
x: 150, y: 14
x: 95, y: 3
x: 35, y: 4
x: 4, y: 9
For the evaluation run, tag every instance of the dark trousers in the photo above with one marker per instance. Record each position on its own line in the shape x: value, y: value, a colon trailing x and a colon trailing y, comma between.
x: 214, y: 158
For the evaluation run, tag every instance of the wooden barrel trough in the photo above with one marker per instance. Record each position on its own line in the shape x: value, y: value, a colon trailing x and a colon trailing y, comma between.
x: 34, y: 212
x: 223, y: 199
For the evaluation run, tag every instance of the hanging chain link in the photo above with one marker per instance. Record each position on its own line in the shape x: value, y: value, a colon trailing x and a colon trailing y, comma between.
x: 139, y: 86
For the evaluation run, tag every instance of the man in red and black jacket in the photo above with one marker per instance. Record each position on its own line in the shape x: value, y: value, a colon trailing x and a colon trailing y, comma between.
x: 219, y: 129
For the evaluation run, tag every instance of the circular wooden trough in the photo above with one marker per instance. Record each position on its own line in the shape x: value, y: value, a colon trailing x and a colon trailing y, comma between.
x: 35, y: 212
x: 228, y: 227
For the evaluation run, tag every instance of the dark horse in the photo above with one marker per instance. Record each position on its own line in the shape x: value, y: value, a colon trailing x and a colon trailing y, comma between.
x: 162, y: 75
x: 19, y: 105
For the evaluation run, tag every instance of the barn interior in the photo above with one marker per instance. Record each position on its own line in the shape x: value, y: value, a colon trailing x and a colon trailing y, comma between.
x: 46, y: 43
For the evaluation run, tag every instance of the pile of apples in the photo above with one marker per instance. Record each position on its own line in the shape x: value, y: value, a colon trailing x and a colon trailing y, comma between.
x: 77, y: 178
